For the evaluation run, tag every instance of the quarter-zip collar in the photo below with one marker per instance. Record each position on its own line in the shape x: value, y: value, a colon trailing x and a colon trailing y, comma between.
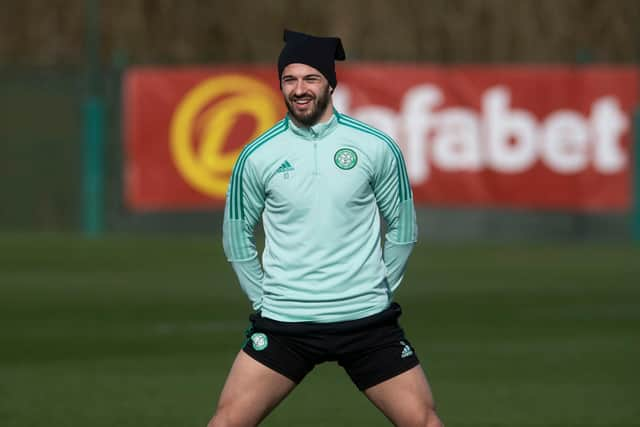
x: 315, y: 132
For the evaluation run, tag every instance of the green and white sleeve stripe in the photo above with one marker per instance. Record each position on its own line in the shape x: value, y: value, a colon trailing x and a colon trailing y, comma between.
x: 405, y: 229
x: 238, y: 226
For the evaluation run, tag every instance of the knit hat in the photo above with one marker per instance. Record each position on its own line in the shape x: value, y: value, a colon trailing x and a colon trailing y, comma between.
x: 317, y: 52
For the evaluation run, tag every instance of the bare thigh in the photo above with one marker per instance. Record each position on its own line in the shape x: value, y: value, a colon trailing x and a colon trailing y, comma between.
x: 406, y: 399
x: 250, y: 393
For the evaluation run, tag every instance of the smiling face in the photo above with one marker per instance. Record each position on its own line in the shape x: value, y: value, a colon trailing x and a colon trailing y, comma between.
x: 307, y: 94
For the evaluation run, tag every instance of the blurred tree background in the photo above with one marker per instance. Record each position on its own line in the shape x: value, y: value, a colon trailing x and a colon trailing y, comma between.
x: 43, y: 81
x: 49, y: 33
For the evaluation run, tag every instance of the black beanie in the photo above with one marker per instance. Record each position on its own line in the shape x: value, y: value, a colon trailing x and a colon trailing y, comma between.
x: 317, y: 52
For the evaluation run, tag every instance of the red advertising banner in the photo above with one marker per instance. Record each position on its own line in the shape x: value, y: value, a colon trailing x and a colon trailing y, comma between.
x: 556, y: 137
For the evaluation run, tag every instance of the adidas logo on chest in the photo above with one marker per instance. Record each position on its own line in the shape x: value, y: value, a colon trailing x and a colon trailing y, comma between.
x: 285, y: 168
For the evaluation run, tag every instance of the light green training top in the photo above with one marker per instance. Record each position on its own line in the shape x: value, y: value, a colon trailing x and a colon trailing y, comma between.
x: 320, y: 192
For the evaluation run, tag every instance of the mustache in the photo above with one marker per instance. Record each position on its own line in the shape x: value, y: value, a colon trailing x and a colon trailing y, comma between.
x: 303, y: 96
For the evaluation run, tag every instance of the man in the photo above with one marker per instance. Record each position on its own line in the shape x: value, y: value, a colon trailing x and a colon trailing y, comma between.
x: 320, y: 180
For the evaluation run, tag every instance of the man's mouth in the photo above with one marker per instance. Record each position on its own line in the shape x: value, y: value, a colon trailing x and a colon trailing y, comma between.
x: 301, y: 102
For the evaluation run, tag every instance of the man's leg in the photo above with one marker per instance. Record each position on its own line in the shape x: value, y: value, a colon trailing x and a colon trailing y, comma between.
x: 406, y: 400
x: 250, y: 393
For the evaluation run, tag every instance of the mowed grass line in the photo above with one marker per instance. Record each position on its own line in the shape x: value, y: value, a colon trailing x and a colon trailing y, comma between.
x: 141, y: 331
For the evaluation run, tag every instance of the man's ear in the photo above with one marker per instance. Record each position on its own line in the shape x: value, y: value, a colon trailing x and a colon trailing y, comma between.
x: 331, y: 90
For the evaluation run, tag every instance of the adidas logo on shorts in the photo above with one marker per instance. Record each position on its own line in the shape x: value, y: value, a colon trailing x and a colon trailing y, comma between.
x: 406, y: 350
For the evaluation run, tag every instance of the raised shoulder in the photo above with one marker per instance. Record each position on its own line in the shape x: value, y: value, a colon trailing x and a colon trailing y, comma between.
x: 270, y: 134
x: 388, y: 145
x: 366, y: 129
x: 236, y: 183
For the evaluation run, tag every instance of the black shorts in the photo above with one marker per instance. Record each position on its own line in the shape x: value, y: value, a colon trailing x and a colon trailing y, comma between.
x: 371, y: 350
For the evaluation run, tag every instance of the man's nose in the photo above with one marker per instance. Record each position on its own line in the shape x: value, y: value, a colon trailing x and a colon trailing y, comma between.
x: 300, y: 88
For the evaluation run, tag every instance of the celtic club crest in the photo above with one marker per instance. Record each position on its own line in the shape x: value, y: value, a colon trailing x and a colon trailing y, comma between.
x: 345, y: 158
x: 260, y: 341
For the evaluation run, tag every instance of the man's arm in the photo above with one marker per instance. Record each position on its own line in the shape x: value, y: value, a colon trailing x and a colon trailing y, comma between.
x: 395, y: 201
x: 244, y: 205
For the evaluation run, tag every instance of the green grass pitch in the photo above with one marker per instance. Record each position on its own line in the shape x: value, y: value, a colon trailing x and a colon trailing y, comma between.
x: 128, y: 331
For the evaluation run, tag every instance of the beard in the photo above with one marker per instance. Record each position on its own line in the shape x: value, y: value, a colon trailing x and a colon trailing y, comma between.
x: 318, y: 103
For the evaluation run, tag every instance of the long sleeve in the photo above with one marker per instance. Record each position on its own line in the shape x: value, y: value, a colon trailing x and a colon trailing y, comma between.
x: 243, y: 208
x: 395, y: 201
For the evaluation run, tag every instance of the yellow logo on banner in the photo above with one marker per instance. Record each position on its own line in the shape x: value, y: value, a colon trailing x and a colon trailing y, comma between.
x: 210, y: 111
